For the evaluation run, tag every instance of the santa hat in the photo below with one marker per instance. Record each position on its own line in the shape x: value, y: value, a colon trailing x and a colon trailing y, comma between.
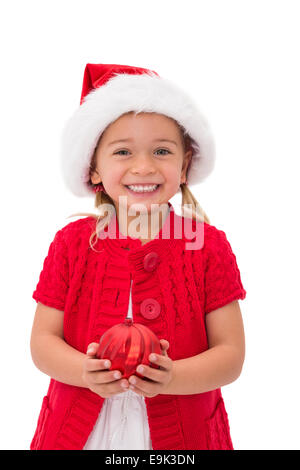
x: 111, y: 90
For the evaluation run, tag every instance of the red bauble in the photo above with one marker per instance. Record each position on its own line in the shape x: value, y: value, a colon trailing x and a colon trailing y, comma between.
x: 127, y: 345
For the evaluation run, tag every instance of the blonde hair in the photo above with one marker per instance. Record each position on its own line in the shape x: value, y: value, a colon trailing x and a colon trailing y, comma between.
x: 194, y: 210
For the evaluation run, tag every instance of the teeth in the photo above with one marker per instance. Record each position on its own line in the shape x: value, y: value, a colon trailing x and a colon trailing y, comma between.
x: 141, y: 189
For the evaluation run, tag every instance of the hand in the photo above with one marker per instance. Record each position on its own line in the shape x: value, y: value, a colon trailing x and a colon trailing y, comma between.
x: 159, y: 378
x: 96, y: 376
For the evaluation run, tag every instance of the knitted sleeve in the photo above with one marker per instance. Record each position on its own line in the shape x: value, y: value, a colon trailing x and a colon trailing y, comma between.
x: 52, y: 286
x: 222, y: 280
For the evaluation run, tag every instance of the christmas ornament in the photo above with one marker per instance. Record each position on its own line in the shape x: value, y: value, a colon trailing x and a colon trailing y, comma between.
x: 127, y: 345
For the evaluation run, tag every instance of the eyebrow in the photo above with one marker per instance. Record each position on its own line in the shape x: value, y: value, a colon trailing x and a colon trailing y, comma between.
x: 130, y: 140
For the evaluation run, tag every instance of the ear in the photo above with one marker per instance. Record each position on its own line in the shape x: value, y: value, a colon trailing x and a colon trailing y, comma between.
x: 95, y: 178
x: 186, y: 161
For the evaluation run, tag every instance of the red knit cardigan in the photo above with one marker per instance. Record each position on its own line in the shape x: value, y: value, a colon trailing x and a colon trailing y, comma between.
x: 92, y: 289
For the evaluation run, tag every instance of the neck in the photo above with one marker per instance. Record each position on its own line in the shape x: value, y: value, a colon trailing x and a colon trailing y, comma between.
x: 144, y: 226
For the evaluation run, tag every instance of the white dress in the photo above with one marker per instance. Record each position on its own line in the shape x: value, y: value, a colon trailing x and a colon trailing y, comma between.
x: 122, y: 423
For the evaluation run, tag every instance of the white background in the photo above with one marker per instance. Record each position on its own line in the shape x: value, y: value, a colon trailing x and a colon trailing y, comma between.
x: 240, y: 61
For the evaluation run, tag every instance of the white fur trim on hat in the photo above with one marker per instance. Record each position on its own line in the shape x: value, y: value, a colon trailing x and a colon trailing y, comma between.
x: 121, y: 94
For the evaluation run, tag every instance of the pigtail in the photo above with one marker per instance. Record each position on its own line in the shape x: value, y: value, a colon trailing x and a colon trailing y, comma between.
x: 193, y: 210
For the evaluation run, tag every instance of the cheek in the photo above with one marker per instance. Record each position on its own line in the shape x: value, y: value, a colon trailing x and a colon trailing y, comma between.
x: 113, y: 185
x: 112, y: 175
x: 173, y: 177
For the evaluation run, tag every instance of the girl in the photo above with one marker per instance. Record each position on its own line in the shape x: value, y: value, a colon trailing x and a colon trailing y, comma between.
x: 134, y: 141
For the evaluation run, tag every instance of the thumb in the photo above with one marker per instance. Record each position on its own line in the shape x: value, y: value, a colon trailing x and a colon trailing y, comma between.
x: 165, y: 345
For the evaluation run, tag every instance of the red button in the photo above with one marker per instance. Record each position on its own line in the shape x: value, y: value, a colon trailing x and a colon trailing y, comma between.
x: 150, y: 309
x: 151, y: 261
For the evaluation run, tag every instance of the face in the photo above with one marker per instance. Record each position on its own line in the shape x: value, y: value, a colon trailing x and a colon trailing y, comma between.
x: 151, y: 153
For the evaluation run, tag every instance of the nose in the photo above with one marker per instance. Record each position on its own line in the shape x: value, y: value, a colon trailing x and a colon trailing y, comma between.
x: 143, y: 165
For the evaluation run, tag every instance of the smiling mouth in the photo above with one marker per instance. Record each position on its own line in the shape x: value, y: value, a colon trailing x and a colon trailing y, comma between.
x: 141, y: 189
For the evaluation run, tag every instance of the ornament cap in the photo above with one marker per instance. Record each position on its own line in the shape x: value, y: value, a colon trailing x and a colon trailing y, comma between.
x: 128, y: 321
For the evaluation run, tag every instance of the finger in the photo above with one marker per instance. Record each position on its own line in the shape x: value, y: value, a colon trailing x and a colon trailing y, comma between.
x: 92, y: 349
x: 164, y: 346
x: 141, y: 393
x: 165, y: 343
x: 164, y: 361
x: 156, y: 375
x: 116, y: 387
x: 143, y: 386
x: 111, y: 388
x: 92, y: 364
x: 106, y: 377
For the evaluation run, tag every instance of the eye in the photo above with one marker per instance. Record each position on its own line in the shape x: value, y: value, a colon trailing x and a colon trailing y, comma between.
x: 164, y: 150
x: 118, y: 152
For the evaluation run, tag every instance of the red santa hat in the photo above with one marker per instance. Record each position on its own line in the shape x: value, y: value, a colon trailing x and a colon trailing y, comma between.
x: 111, y: 90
